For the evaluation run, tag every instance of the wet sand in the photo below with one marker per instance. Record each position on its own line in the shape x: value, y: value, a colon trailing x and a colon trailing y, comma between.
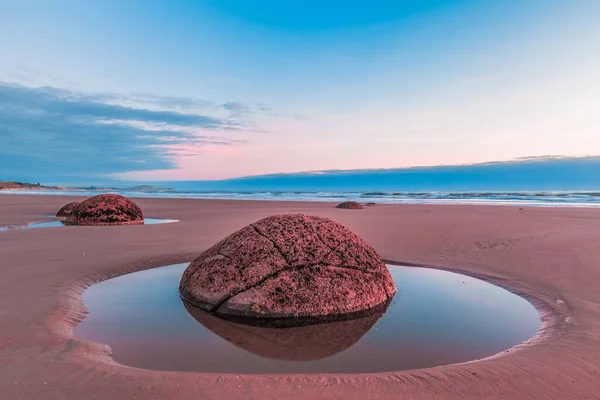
x: 549, y: 255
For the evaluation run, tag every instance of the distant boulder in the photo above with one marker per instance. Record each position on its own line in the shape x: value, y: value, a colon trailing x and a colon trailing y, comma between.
x: 106, y: 209
x: 350, y: 205
x: 289, y: 266
x: 67, y: 209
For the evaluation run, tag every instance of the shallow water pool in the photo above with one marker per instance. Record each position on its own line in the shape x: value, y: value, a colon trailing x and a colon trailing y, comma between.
x: 436, y: 318
x: 58, y: 223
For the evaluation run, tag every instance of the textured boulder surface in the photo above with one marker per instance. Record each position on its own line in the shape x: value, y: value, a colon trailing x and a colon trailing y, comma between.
x: 286, y: 266
x: 67, y: 209
x: 106, y: 209
x: 350, y: 205
x: 297, y: 343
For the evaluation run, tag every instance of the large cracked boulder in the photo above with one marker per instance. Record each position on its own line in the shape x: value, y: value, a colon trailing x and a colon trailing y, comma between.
x: 350, y: 205
x: 106, y: 209
x: 67, y: 209
x: 289, y: 266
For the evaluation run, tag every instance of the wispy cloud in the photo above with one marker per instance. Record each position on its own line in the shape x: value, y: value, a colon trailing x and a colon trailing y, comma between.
x: 48, y: 132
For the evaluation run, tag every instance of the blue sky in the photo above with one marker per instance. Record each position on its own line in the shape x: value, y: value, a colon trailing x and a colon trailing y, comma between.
x: 165, y: 90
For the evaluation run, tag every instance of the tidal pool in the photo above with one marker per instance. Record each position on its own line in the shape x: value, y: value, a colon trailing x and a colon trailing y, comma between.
x: 57, y: 223
x: 436, y: 318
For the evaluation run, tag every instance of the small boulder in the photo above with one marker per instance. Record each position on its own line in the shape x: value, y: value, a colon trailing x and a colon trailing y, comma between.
x: 289, y: 266
x: 106, y: 209
x: 350, y: 205
x: 67, y: 209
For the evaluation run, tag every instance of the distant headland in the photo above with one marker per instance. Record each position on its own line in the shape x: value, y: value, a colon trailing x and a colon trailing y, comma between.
x: 28, y: 186
x: 10, y: 185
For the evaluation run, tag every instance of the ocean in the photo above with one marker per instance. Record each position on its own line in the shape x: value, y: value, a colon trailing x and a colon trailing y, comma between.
x: 546, y: 181
x: 523, y: 198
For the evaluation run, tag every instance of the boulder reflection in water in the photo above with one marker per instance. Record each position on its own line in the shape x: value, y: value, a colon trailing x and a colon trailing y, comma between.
x: 292, y: 343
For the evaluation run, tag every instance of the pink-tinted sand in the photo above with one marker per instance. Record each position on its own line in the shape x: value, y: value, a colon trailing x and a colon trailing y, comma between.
x: 549, y: 255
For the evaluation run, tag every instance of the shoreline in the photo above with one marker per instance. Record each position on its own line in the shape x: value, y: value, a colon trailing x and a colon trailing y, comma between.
x: 529, y: 253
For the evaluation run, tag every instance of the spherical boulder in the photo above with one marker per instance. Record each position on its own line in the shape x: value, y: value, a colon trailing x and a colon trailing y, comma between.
x: 289, y: 266
x: 106, y: 209
x: 350, y: 205
x: 67, y: 209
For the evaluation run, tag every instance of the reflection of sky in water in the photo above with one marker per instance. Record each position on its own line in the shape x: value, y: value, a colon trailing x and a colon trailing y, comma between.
x: 54, y: 224
x: 436, y: 318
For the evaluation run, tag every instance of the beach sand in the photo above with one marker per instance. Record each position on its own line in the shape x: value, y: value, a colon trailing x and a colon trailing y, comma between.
x: 549, y: 255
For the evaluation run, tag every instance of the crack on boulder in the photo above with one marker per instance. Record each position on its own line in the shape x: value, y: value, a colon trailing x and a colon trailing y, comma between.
x: 220, y: 244
x: 333, y: 250
x: 307, y: 222
x: 318, y: 234
x: 275, y: 275
x: 274, y: 245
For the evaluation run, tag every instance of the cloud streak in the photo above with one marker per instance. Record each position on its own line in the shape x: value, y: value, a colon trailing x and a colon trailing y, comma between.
x: 49, y: 133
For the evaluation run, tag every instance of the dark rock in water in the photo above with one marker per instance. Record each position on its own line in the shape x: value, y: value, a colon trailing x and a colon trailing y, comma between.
x: 106, y: 209
x: 67, y: 209
x: 350, y: 205
x: 295, y: 343
x: 289, y: 266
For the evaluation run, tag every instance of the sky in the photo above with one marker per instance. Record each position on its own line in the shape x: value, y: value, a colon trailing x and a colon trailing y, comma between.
x: 200, y: 90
